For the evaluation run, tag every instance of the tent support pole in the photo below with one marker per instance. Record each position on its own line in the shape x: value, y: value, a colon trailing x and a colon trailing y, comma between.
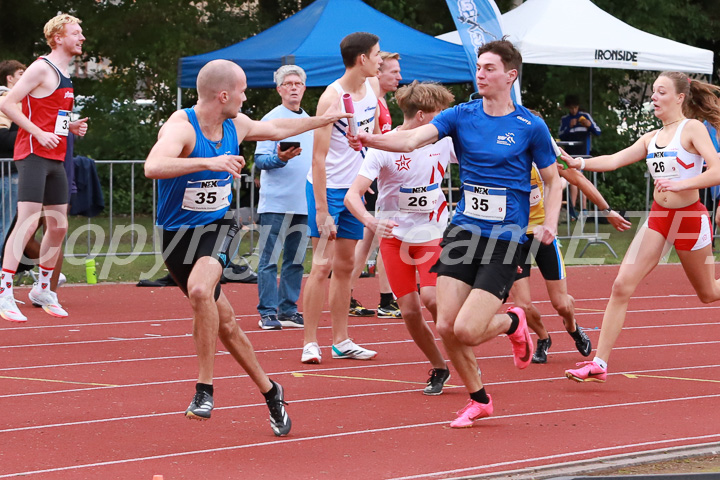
x: 519, y: 79
x: 590, y: 109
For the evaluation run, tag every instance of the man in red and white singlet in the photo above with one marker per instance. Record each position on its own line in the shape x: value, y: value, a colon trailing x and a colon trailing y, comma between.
x: 46, y: 96
x: 389, y: 79
x: 411, y: 215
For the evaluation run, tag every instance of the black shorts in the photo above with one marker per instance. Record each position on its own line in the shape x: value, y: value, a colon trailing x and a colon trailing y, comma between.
x: 548, y: 258
x: 481, y: 262
x: 41, y: 180
x: 181, y: 249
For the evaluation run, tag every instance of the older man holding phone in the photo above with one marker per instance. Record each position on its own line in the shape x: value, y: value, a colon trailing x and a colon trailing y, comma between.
x: 283, y: 208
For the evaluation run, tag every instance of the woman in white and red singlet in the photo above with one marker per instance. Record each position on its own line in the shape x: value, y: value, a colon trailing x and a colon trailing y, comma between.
x: 411, y: 215
x: 674, y: 156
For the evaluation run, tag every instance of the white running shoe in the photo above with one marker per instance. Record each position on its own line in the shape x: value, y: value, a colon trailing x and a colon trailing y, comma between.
x: 349, y: 349
x: 311, y: 353
x: 47, y: 299
x: 9, y: 309
x: 62, y: 280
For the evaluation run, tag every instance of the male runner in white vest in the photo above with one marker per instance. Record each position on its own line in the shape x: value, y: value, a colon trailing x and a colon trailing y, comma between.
x: 333, y: 229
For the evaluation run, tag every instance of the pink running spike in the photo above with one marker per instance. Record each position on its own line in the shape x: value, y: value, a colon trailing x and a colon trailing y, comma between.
x: 522, y: 344
x: 471, y: 412
x: 588, y: 372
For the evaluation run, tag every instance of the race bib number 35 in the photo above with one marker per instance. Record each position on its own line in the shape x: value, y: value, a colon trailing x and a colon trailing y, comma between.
x: 419, y: 199
x: 207, y: 195
x: 485, y: 203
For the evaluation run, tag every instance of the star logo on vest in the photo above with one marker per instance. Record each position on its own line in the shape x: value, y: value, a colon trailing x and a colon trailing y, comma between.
x: 403, y: 163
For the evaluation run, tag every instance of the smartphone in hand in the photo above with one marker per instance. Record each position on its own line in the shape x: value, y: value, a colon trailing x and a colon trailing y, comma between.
x: 285, y: 145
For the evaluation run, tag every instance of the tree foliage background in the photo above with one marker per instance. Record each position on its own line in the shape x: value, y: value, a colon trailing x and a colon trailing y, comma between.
x: 143, y: 40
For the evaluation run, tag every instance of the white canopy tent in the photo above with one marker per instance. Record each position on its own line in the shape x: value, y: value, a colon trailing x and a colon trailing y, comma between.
x: 539, y: 29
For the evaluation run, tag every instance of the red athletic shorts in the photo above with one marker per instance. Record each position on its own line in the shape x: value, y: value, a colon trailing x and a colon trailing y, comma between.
x: 402, y: 260
x: 687, y: 228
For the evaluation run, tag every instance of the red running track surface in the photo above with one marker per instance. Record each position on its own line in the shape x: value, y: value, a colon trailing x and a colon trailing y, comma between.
x: 101, y: 394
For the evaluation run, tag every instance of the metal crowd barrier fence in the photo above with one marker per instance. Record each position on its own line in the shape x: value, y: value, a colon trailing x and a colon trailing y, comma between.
x: 8, y: 198
x: 593, y: 238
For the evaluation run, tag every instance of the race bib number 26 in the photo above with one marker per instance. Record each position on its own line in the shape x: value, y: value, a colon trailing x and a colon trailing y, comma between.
x: 419, y: 199
x: 663, y: 165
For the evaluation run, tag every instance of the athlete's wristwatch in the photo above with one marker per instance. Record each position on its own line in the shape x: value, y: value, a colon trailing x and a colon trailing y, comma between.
x: 607, y: 211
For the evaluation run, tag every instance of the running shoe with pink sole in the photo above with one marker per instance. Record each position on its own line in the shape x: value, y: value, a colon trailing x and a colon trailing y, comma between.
x: 9, y: 309
x: 522, y: 344
x: 588, y: 372
x: 47, y: 299
x: 471, y: 412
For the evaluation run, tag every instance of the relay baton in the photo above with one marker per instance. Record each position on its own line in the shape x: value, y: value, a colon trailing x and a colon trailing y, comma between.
x: 349, y: 108
x: 558, y: 154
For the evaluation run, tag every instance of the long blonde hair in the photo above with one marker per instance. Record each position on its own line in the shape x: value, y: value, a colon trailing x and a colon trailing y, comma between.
x: 701, y: 98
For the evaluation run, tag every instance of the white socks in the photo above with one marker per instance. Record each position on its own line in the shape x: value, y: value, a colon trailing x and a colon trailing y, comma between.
x: 600, y: 362
x: 45, y: 274
x: 7, y: 279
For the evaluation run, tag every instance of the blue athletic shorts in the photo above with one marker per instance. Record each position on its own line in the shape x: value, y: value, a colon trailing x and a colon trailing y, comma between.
x: 347, y: 225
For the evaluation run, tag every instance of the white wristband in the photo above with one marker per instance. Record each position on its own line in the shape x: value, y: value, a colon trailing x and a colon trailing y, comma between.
x: 582, y: 164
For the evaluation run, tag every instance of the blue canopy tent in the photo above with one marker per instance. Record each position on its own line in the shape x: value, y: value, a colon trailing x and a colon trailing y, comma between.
x: 311, y: 39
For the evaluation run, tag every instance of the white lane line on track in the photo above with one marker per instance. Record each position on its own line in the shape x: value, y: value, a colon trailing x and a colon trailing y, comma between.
x: 363, y: 366
x: 384, y: 324
x: 396, y: 428
x: 333, y: 369
x: 153, y: 323
x: 256, y: 315
x: 319, y: 399
x: 100, y: 324
x: 559, y: 455
x: 185, y: 335
x: 394, y: 342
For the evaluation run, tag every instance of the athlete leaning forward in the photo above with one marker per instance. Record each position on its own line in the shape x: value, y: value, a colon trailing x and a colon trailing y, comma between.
x: 496, y: 142
x: 195, y: 160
